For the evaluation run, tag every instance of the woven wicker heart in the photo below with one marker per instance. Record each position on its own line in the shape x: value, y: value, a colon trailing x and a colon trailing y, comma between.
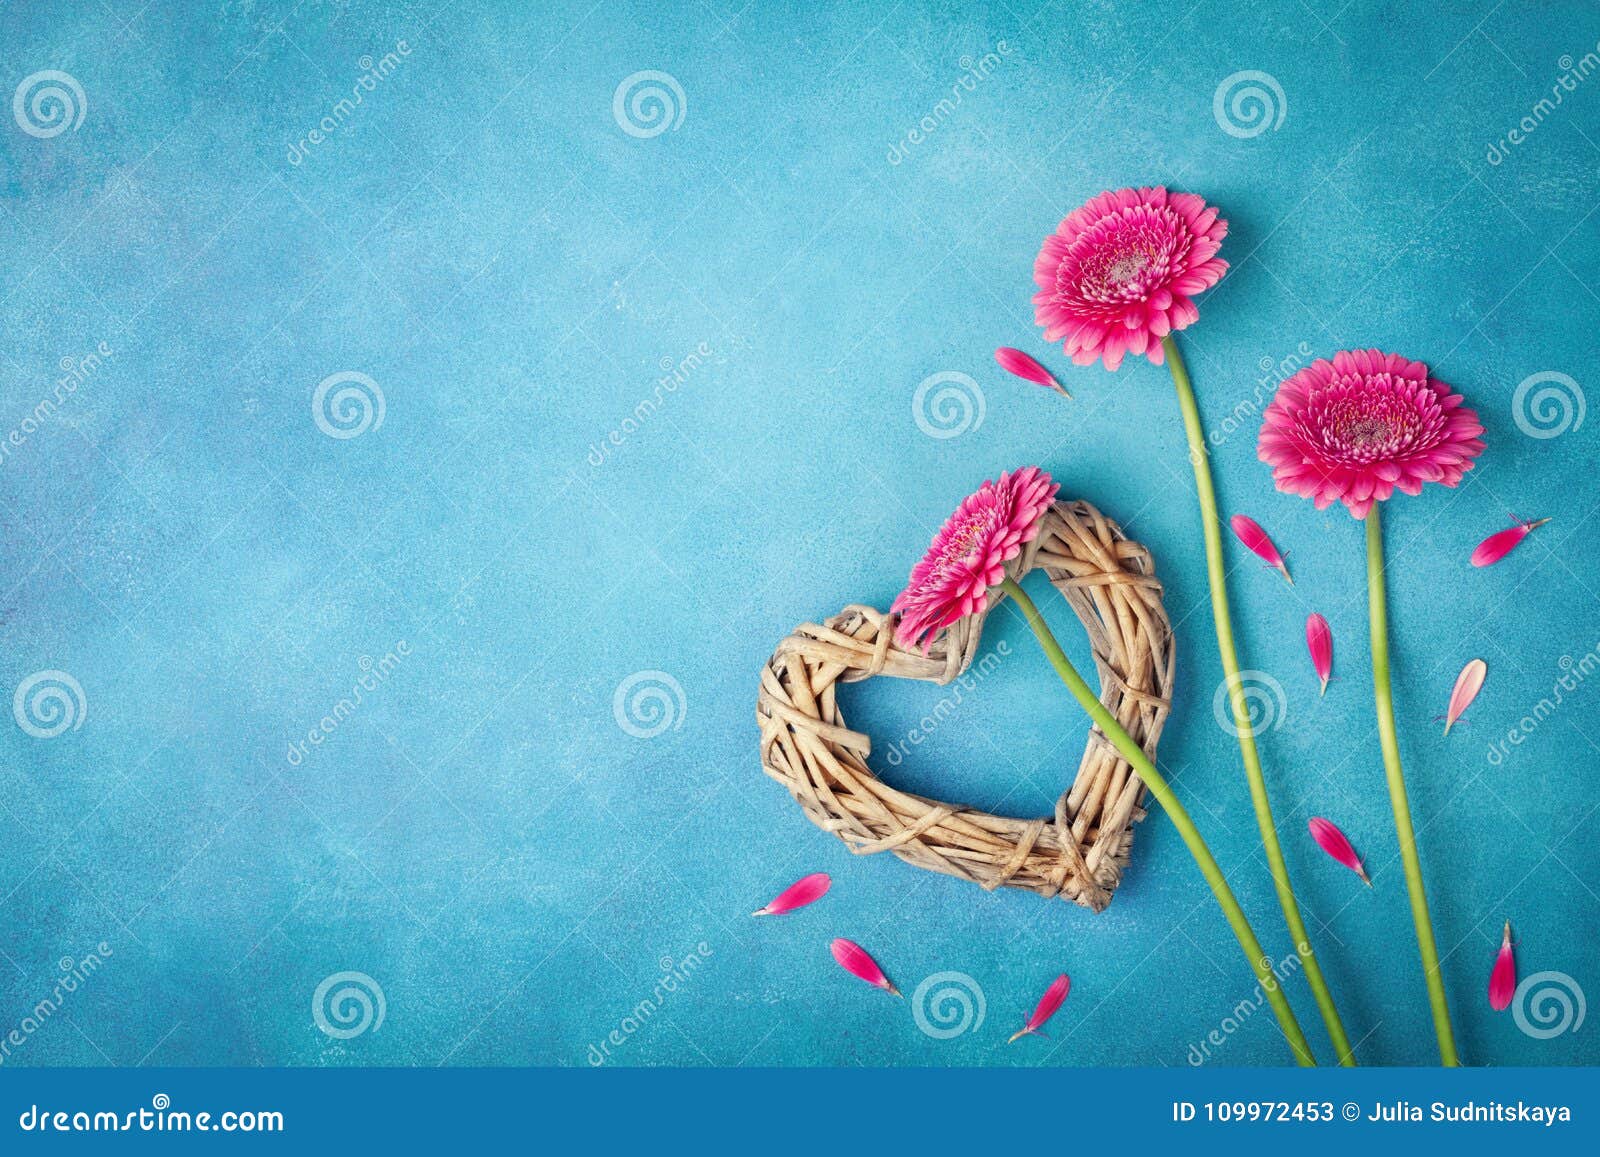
x: 1080, y: 852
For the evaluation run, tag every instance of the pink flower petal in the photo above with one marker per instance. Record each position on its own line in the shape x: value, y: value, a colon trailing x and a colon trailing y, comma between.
x: 1046, y: 1008
x: 1503, y: 979
x: 1014, y: 361
x: 807, y: 890
x: 854, y: 959
x: 1258, y: 542
x: 1319, y: 641
x: 1494, y: 548
x: 1468, y: 684
x: 1331, y: 840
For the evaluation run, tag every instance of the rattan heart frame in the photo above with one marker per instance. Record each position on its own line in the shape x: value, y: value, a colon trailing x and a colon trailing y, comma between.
x: 1080, y: 852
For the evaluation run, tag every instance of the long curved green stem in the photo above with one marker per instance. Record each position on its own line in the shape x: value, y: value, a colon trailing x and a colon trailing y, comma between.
x: 1378, y: 613
x: 1211, y: 525
x: 1260, y: 964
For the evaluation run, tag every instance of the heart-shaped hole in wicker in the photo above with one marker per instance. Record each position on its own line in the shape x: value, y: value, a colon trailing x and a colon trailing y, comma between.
x: 1080, y: 852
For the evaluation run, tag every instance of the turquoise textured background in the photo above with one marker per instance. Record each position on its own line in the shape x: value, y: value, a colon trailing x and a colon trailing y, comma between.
x: 817, y: 228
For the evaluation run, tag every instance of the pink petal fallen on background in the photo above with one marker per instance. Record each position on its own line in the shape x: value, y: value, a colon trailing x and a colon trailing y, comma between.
x: 1257, y: 542
x: 1046, y: 1008
x: 797, y: 895
x: 854, y: 959
x: 1019, y: 363
x: 1468, y: 684
x: 1494, y: 548
x: 1319, y: 641
x: 1331, y: 840
x: 1503, y: 980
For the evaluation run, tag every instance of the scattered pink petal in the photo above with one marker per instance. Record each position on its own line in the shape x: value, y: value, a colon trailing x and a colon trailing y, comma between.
x: 854, y: 959
x: 1048, y: 1003
x: 1468, y: 684
x: 1331, y: 840
x: 797, y: 895
x: 1016, y: 362
x: 1319, y: 641
x: 1503, y: 980
x: 1257, y: 542
x: 1494, y: 548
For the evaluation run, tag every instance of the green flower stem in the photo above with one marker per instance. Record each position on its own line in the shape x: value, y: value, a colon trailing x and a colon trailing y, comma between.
x: 1378, y: 612
x: 1260, y: 964
x: 1211, y: 526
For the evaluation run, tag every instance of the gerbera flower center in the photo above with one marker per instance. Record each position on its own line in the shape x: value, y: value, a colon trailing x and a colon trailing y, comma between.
x: 1127, y: 267
x: 967, y: 538
x: 1365, y: 432
x: 1123, y: 270
x: 1359, y: 421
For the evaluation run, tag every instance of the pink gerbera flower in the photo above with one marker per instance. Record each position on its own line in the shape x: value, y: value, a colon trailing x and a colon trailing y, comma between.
x: 1354, y: 429
x: 969, y: 554
x: 1119, y: 274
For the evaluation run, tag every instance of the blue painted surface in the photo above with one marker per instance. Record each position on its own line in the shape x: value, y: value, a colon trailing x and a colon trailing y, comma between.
x: 515, y: 274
